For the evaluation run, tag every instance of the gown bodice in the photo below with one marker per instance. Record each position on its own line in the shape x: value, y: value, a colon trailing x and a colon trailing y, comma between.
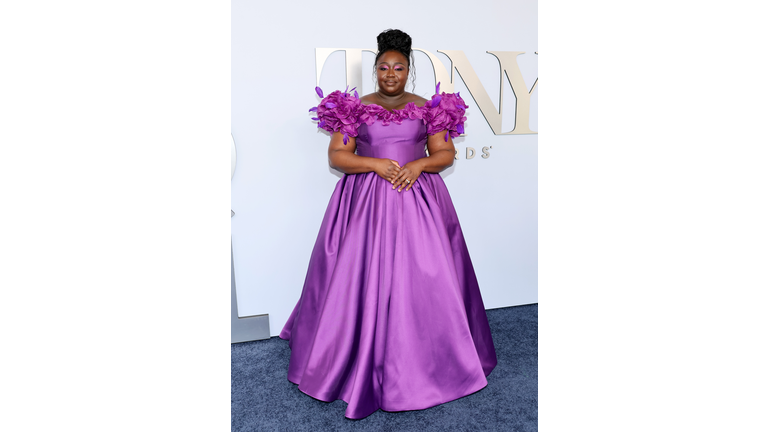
x: 403, y: 143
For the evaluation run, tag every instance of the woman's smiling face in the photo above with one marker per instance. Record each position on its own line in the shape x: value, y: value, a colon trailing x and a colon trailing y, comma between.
x: 392, y: 73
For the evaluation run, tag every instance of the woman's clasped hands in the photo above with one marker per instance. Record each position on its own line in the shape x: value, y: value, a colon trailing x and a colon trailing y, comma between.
x: 400, y: 177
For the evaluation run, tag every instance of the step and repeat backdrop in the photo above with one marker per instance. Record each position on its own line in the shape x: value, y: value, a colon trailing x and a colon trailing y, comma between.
x: 487, y: 50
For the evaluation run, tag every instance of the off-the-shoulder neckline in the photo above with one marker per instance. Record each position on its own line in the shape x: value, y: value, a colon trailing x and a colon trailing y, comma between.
x: 393, y: 110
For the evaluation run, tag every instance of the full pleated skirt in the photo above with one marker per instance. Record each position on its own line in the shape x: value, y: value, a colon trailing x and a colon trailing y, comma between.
x: 390, y: 316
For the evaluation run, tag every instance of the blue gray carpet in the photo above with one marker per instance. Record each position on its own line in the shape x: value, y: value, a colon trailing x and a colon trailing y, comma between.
x: 264, y: 400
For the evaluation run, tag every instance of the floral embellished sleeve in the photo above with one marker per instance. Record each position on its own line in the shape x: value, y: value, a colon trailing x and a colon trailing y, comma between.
x: 339, y: 112
x: 445, y: 111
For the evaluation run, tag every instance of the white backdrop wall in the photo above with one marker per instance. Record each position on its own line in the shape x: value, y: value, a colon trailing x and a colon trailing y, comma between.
x: 282, y: 183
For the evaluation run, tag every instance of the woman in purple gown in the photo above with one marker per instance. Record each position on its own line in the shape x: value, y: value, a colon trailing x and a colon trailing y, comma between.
x: 390, y: 316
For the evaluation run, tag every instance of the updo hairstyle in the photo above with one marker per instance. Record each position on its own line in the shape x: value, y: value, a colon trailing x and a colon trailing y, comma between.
x: 396, y: 40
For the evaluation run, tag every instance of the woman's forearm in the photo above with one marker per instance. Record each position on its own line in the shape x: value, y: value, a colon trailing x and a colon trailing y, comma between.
x: 437, y: 161
x: 350, y: 163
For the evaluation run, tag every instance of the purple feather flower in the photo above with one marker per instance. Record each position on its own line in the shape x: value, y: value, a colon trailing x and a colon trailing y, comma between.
x: 319, y: 91
x: 340, y: 112
x: 313, y: 109
x: 448, y: 116
x: 437, y: 89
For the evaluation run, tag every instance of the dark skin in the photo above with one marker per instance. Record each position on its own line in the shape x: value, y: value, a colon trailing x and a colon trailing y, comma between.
x: 392, y: 75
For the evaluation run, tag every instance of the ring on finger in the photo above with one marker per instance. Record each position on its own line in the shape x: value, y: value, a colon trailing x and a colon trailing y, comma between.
x: 407, y: 181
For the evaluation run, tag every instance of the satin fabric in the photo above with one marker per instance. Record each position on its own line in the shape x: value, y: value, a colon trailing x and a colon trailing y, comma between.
x: 390, y: 316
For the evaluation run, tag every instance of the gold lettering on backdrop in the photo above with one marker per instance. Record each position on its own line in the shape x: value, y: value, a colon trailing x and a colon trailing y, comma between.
x: 508, y: 63
x: 470, y: 152
x: 459, y: 63
x: 441, y: 74
x: 486, y: 154
x: 353, y: 60
x: 509, y: 67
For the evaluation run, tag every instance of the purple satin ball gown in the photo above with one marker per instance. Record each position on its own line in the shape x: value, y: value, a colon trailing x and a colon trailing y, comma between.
x: 390, y: 316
